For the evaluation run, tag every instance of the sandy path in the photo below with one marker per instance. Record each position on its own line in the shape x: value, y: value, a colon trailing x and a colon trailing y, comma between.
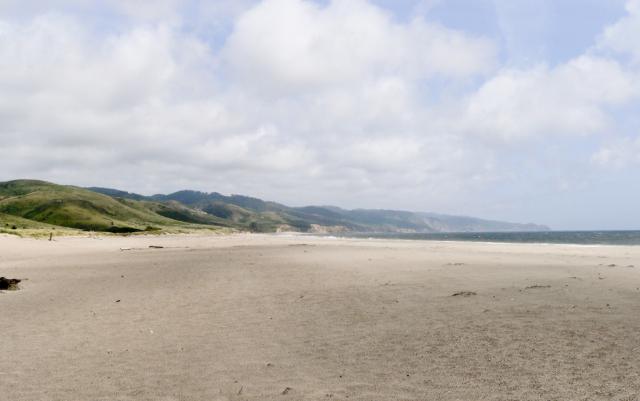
x: 246, y: 317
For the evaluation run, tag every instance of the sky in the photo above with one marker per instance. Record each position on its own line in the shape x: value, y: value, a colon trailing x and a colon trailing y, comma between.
x: 518, y: 110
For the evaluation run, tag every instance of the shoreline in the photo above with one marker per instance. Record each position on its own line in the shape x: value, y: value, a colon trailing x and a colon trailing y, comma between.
x: 213, y: 234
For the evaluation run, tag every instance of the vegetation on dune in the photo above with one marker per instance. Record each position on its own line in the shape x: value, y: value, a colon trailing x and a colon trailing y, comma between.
x: 19, y: 226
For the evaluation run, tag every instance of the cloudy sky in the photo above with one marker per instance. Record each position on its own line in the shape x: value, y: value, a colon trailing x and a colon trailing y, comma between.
x: 521, y: 110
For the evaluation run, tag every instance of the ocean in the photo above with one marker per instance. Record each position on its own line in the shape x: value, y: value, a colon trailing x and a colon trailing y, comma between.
x: 543, y: 237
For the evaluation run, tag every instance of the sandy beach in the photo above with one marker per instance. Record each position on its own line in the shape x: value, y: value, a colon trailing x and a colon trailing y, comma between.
x: 267, y: 317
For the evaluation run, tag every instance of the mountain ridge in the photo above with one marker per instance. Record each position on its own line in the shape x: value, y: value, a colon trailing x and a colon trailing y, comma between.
x: 41, y: 204
x: 353, y: 219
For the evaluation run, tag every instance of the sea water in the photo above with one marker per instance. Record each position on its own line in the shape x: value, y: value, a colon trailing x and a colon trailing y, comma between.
x: 543, y: 237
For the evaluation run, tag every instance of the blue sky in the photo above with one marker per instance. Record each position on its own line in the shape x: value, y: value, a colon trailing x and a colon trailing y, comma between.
x: 517, y: 110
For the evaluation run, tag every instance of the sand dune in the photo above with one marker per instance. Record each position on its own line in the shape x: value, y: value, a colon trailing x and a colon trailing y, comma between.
x: 263, y: 317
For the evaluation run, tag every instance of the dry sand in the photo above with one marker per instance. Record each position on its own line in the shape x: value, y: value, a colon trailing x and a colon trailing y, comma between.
x: 251, y: 317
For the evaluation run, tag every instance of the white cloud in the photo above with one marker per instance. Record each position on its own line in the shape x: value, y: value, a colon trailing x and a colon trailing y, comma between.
x: 569, y: 99
x: 286, y: 45
x: 622, y: 37
x: 63, y: 87
x: 619, y: 154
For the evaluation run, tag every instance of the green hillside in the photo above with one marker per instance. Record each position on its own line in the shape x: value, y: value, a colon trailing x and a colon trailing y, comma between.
x: 258, y: 215
x: 78, y: 208
x: 241, y: 211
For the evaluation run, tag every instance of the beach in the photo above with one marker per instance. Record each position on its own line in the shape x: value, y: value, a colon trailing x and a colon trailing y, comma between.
x: 291, y: 317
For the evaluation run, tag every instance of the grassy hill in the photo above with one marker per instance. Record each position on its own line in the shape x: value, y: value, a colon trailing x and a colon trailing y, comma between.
x: 72, y: 207
x: 259, y: 215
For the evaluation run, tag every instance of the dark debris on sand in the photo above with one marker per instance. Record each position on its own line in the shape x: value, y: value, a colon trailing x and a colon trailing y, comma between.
x: 9, y: 284
x: 286, y: 391
x: 464, y: 294
x: 536, y: 286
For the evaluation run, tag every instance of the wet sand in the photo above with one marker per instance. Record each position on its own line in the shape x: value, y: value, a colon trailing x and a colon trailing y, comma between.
x: 259, y: 317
